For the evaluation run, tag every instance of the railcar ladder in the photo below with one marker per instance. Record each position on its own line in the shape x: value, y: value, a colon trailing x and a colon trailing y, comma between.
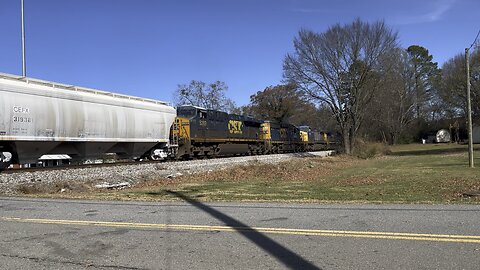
x: 175, y: 132
x: 174, y: 137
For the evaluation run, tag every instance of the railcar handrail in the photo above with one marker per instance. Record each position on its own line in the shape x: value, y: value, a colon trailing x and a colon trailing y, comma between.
x: 77, y: 88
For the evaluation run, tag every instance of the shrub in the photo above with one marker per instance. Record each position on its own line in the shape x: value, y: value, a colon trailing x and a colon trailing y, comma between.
x: 366, y: 150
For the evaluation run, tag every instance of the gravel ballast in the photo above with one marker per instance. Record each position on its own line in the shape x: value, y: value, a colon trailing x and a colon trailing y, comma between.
x: 135, y: 173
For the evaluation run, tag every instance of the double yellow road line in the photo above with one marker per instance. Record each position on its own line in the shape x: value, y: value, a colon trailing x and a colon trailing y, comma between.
x: 286, y: 231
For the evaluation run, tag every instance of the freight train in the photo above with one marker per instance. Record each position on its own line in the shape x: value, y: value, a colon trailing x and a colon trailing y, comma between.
x: 198, y: 132
x: 40, y: 118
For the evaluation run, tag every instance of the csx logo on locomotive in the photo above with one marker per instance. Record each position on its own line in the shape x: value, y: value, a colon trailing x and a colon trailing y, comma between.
x: 235, y: 127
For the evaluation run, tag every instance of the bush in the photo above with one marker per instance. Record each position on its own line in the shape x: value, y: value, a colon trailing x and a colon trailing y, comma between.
x: 366, y: 150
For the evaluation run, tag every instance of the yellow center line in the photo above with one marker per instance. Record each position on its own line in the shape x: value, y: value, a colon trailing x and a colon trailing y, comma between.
x: 287, y: 231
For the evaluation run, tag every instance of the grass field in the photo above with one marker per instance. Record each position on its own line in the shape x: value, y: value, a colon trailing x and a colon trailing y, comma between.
x: 410, y: 174
x: 415, y: 173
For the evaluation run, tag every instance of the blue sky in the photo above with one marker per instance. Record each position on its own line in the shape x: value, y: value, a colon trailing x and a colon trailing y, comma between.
x: 147, y: 47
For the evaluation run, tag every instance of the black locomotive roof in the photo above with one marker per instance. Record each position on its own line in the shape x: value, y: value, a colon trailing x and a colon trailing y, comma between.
x: 245, y: 118
x: 191, y: 111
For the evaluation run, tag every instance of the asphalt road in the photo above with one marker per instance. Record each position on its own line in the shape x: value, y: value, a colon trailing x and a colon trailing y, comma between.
x: 60, y: 234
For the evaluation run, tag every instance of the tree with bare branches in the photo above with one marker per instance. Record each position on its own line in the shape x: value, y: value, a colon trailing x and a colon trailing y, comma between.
x: 209, y: 96
x: 341, y: 67
x: 453, y: 85
x: 393, y: 108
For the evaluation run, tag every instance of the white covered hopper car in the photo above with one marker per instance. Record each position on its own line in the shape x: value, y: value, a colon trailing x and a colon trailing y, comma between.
x: 41, y: 118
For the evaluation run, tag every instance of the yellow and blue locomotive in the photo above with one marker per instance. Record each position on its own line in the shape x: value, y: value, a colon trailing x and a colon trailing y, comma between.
x: 199, y: 132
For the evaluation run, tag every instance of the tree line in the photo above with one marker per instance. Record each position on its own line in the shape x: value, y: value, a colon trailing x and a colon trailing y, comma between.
x: 355, y: 79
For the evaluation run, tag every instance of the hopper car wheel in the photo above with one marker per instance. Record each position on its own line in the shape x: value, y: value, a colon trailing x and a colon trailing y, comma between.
x: 153, y: 156
x: 5, y: 160
x: 157, y: 154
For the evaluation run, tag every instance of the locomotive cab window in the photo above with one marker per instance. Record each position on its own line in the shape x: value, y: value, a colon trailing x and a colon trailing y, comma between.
x: 202, y: 114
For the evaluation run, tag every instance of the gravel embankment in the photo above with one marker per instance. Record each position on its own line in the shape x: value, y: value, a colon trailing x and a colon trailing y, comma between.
x: 134, y: 173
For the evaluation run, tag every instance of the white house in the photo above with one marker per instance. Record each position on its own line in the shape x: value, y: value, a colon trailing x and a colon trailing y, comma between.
x: 476, y: 134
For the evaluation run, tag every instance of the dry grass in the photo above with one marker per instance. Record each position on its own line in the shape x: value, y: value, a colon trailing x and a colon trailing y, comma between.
x: 366, y: 150
x: 411, y: 174
x: 437, y: 177
x: 307, y: 169
x: 54, y: 188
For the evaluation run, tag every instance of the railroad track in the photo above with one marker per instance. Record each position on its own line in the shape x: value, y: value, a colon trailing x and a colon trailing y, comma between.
x: 76, y: 166
x: 144, y: 162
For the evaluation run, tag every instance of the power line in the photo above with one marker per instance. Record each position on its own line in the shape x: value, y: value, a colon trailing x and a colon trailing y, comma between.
x: 475, y: 41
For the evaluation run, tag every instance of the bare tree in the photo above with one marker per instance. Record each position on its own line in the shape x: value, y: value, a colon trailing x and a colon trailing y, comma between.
x: 340, y: 68
x: 393, y: 107
x: 210, y: 96
x: 453, y: 85
x: 317, y: 117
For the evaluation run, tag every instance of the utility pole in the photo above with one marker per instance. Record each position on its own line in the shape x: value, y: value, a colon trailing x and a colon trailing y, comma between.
x: 469, y: 112
x: 24, y: 67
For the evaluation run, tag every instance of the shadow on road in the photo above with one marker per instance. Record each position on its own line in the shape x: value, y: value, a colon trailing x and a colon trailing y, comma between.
x: 284, y: 255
